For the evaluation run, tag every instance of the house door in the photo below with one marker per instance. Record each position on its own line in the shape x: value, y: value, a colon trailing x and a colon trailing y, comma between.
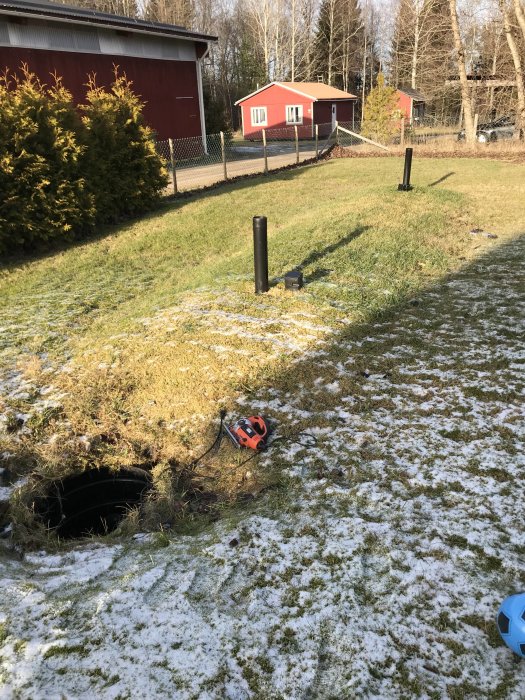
x: 334, y: 114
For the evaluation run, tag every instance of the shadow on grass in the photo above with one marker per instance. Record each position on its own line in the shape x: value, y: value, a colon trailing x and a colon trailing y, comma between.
x: 397, y: 324
x: 168, y: 203
x: 441, y: 179
x: 317, y: 255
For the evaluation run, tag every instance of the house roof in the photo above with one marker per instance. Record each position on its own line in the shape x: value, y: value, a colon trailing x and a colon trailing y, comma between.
x: 314, y: 91
x: 79, y: 15
x: 414, y: 94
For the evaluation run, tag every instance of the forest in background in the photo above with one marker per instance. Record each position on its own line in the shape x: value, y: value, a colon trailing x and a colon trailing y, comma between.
x: 346, y: 43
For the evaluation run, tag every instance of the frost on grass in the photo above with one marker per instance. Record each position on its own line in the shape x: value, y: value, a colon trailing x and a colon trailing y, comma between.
x: 381, y: 572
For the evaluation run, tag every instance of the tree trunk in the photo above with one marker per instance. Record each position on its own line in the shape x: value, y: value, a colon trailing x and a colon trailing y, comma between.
x: 518, y: 69
x: 520, y: 14
x: 293, y: 41
x: 415, y: 52
x: 331, y: 42
x: 494, y: 69
x: 466, y: 101
x: 363, y: 86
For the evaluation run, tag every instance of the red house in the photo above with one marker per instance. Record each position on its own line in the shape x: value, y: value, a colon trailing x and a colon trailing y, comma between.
x: 163, y: 61
x: 411, y: 104
x: 286, y: 105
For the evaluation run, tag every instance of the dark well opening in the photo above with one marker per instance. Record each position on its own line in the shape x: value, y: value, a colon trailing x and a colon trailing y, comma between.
x: 94, y: 502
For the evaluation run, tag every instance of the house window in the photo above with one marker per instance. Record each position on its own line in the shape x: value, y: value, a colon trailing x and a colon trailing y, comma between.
x: 259, y: 116
x: 294, y: 114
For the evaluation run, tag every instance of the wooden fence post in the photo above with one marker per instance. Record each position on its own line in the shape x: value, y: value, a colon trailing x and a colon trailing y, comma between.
x: 265, y: 152
x: 317, y: 141
x: 296, y: 145
x: 402, y: 137
x: 223, y: 154
x: 173, y: 171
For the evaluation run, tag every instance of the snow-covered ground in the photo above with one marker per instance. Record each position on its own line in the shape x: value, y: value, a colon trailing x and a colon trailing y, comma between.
x: 378, y: 575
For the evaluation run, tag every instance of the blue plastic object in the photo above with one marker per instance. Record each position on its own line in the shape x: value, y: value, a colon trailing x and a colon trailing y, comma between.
x: 511, y: 623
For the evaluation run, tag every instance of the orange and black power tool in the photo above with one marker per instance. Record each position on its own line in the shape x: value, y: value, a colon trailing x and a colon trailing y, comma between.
x: 248, y: 432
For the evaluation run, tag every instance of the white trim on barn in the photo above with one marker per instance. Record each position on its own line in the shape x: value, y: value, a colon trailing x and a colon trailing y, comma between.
x: 285, y: 87
x: 201, y: 100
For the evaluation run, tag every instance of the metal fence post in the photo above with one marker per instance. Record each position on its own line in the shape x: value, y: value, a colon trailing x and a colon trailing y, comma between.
x: 406, y: 186
x: 260, y: 253
x: 317, y: 141
x: 173, y: 171
x: 296, y: 145
x: 337, y: 133
x: 265, y: 152
x: 223, y: 153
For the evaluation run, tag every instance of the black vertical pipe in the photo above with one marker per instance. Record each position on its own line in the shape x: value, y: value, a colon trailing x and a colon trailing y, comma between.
x: 406, y: 186
x: 260, y: 253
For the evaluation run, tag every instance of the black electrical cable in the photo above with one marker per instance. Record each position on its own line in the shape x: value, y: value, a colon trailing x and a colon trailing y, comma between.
x: 293, y: 439
x: 298, y: 439
x: 216, y: 442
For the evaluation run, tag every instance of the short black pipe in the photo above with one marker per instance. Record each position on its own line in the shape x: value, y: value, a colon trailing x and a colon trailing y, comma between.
x: 260, y: 253
x: 406, y: 186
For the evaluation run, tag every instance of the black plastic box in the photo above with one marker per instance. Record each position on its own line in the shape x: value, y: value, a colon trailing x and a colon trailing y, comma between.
x: 293, y: 280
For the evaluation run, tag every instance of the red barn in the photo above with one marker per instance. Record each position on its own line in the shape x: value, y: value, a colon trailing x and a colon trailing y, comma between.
x: 411, y: 104
x: 284, y: 105
x: 163, y: 61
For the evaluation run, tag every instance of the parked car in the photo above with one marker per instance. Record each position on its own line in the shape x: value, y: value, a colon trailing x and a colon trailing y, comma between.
x: 502, y: 128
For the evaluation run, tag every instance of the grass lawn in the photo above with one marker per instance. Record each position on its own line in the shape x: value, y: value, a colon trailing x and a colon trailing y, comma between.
x: 375, y: 564
x: 123, y: 349
x: 156, y: 322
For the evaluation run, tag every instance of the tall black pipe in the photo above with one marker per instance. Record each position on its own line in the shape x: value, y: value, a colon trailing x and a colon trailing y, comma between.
x: 260, y: 253
x: 406, y: 186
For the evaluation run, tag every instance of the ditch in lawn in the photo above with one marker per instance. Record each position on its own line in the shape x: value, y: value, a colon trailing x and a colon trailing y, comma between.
x: 376, y: 572
x: 120, y: 352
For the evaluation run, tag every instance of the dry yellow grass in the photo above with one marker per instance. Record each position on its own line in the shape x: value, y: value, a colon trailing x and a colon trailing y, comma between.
x: 160, y: 327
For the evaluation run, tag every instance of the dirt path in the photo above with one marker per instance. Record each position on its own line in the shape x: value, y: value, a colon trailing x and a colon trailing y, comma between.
x: 193, y: 178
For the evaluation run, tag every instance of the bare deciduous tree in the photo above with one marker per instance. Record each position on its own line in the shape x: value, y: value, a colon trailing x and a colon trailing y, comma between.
x: 520, y: 14
x: 466, y: 98
x: 518, y: 66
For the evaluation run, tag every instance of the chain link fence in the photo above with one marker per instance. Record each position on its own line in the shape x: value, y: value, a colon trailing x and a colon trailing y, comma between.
x: 203, y: 161
x: 430, y: 128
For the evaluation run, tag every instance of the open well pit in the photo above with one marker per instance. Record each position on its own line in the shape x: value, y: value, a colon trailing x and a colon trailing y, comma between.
x: 93, y: 502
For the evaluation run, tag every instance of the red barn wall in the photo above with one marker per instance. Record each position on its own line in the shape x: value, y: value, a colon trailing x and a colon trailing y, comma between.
x: 345, y: 111
x: 169, y: 88
x: 275, y: 99
x: 323, y: 115
x: 404, y: 104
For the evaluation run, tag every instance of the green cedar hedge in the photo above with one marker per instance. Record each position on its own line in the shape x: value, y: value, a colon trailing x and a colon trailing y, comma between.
x: 123, y: 170
x: 44, y: 195
x: 64, y: 170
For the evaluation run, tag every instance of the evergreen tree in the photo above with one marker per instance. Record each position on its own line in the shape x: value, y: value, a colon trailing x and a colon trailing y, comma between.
x: 381, y: 114
x: 422, y: 48
x: 403, y: 44
x: 338, y: 43
x: 44, y: 191
x: 122, y: 167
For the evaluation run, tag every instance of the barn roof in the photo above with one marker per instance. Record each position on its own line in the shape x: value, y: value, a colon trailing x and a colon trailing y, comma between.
x: 414, y: 94
x: 80, y: 15
x: 314, y: 91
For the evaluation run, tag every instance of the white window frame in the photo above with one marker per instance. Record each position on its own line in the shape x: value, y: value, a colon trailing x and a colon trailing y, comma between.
x: 299, y: 109
x: 254, y: 116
